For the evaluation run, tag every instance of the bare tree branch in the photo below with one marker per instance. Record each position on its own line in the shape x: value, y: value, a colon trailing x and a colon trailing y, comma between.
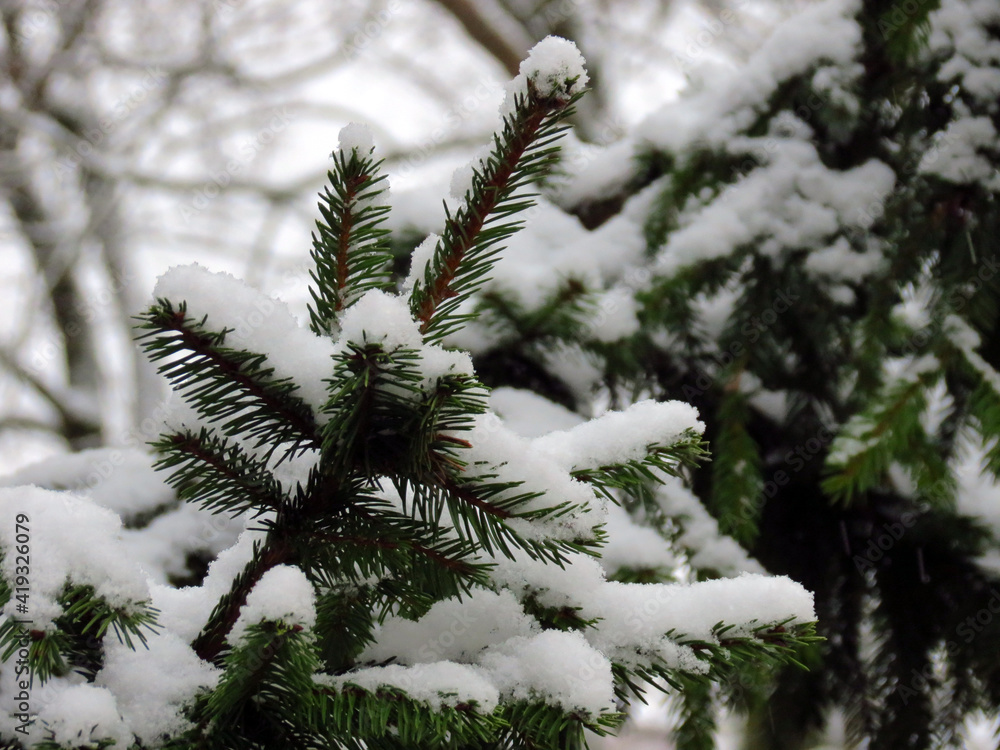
x: 484, y: 29
x: 75, y: 420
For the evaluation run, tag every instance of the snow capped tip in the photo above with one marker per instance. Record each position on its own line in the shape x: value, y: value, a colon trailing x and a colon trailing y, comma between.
x: 381, y: 317
x: 556, y: 67
x: 282, y: 593
x: 356, y: 137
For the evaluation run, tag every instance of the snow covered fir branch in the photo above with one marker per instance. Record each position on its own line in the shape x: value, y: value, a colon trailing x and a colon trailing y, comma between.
x: 806, y: 250
x: 393, y: 566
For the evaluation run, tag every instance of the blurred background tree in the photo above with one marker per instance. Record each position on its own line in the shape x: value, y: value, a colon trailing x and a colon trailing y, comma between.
x: 133, y: 136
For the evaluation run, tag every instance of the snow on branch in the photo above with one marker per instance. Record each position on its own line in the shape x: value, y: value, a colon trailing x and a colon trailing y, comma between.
x: 538, y: 100
x: 415, y: 573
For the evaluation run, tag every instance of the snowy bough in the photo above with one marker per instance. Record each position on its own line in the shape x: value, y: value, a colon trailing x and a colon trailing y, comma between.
x: 413, y: 573
x: 806, y: 248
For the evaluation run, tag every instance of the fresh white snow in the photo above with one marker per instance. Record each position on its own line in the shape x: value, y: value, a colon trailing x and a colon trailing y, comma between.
x: 556, y: 68
x: 356, y: 137
x: 283, y: 594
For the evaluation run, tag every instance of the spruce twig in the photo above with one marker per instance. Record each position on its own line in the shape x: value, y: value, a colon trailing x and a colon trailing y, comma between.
x: 350, y: 249
x: 522, y: 154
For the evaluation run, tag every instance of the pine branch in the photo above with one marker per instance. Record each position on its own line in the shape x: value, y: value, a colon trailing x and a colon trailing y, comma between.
x: 522, y: 154
x: 211, y: 641
x: 382, y: 394
x: 887, y: 430
x: 392, y: 416
x: 772, y: 644
x: 385, y: 545
x: 377, y: 397
x: 374, y: 394
x: 639, y: 476
x: 736, y: 473
x: 984, y: 406
x: 696, y: 729
x: 351, y: 251
x: 563, y: 617
x: 272, y: 668
x: 541, y: 725
x: 388, y: 718
x: 560, y: 318
x: 230, y: 386
x: 984, y: 402
x: 76, y: 644
x: 217, y: 474
x: 344, y: 624
x: 482, y: 510
x: 904, y: 29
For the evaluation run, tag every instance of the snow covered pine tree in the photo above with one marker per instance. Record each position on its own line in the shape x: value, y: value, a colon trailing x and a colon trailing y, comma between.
x: 413, y: 573
x: 807, y: 250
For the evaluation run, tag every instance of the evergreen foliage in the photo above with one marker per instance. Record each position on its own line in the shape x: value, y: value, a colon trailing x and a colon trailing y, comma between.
x: 413, y: 574
x: 817, y: 273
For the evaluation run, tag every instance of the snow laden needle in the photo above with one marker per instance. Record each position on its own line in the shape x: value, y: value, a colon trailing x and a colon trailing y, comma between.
x: 538, y: 100
x: 413, y: 573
